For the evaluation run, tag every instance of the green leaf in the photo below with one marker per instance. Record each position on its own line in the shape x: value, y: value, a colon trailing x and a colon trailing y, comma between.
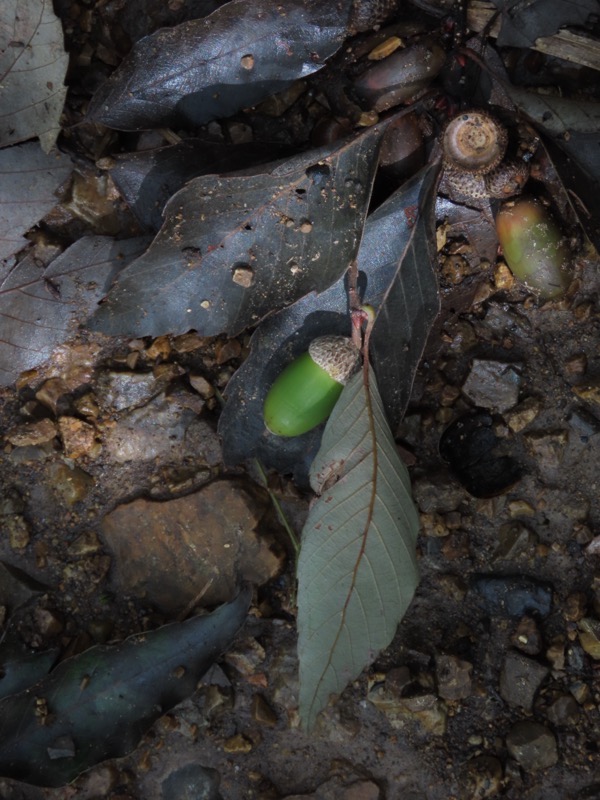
x: 98, y: 704
x: 357, y: 570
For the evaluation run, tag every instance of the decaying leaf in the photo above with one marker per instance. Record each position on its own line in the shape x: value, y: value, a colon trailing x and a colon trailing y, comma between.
x: 28, y: 180
x: 33, y: 65
x: 40, y: 308
x: 357, y: 569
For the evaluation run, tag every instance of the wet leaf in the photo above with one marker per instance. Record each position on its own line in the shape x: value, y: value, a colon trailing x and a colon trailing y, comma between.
x: 33, y: 65
x: 19, y: 668
x: 214, y: 67
x: 98, y: 704
x: 557, y: 115
x: 28, y: 180
x: 524, y: 22
x: 357, y: 569
x: 571, y: 131
x: 149, y: 178
x: 41, y: 308
x: 234, y: 249
x: 395, y: 233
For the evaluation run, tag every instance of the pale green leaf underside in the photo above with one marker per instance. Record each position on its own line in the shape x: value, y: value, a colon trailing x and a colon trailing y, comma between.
x: 357, y: 570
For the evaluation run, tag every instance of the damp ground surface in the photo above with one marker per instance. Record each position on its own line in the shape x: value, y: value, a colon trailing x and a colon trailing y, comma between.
x: 118, y: 515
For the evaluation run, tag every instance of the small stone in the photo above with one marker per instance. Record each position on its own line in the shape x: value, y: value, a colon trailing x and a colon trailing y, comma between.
x: 78, y: 437
x: 556, y: 654
x: 160, y: 349
x: 202, y: 386
x: 514, y: 539
x: 590, y: 392
x: 237, y: 744
x: 589, y: 636
x: 575, y: 606
x: 47, y: 622
x: 523, y: 414
x: 191, y: 781
x: 262, y: 711
x: 564, y: 711
x: 437, y: 493
x: 504, y: 280
x: 527, y: 637
x: 493, y: 384
x: 576, y: 365
x: 247, y: 657
x: 50, y: 393
x: 32, y: 433
x: 361, y: 790
x: 520, y: 679
x: 18, y: 531
x: 547, y: 447
x: 227, y: 350
x: 71, y: 483
x: 483, y: 777
x: 513, y: 596
x: 85, y: 545
x: 87, y: 406
x: 453, y: 677
x: 533, y: 745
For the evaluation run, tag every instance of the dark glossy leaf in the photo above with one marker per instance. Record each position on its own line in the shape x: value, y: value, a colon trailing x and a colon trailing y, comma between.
x: 28, y: 181
x: 138, y: 18
x: 357, y: 569
x: 410, y: 302
x: 394, y: 232
x: 234, y: 249
x: 20, y: 668
x: 149, y: 178
x: 41, y: 308
x: 213, y: 67
x: 525, y: 21
x: 100, y: 703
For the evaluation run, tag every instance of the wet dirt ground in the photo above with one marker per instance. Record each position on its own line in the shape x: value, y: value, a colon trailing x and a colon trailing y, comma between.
x: 490, y: 687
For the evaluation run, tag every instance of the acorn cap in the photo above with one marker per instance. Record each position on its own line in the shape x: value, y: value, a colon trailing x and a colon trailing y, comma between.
x: 337, y: 355
x: 474, y: 142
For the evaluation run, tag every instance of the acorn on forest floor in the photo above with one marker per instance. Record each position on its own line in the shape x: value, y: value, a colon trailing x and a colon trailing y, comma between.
x: 306, y: 391
x: 534, y: 247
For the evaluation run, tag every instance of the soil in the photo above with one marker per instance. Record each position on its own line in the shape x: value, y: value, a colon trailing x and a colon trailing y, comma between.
x: 490, y: 687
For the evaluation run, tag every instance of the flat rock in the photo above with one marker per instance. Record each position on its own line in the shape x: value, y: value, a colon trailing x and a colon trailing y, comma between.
x: 453, y: 677
x: 520, y: 679
x: 493, y: 384
x: 533, y: 745
x: 169, y: 552
x: 513, y: 595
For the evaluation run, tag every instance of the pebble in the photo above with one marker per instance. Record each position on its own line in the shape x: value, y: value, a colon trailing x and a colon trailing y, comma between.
x: 493, y: 384
x: 533, y: 745
x: 191, y: 782
x: 589, y: 636
x: 527, y: 637
x: 514, y: 539
x: 564, y: 711
x: 513, y: 596
x: 453, y: 677
x: 523, y: 415
x: 78, y: 437
x: 547, y: 447
x: 32, y: 433
x: 483, y: 777
x: 520, y: 679
x: 437, y: 494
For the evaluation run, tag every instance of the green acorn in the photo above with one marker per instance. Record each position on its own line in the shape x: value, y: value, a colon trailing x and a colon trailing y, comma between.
x: 534, y: 247
x: 305, y: 393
